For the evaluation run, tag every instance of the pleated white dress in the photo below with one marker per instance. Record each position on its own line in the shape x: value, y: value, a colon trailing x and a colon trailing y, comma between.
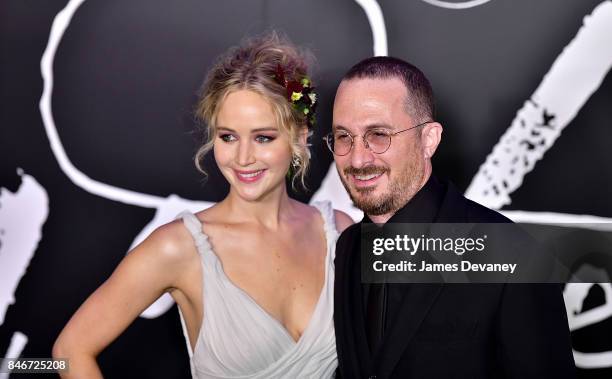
x: 239, y: 339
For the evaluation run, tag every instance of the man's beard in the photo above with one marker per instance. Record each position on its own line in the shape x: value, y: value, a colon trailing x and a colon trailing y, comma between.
x: 399, y: 192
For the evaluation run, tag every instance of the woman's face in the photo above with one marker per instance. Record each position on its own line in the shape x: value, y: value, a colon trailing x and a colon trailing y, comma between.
x: 250, y: 150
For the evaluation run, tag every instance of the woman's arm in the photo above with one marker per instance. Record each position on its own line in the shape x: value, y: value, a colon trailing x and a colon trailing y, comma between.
x: 149, y: 270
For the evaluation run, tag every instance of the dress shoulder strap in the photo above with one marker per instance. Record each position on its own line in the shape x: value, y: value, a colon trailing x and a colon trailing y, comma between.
x: 327, y: 212
x: 194, y: 226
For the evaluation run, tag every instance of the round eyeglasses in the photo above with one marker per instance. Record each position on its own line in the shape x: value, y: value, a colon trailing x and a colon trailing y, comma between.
x: 378, y: 141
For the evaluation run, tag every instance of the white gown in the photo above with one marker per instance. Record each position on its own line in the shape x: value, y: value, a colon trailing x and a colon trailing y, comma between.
x: 239, y: 339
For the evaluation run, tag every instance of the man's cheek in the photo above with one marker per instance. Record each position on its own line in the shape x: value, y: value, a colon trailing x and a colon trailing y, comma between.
x: 340, y: 166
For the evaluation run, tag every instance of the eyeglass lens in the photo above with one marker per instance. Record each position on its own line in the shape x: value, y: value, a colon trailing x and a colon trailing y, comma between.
x: 342, y: 142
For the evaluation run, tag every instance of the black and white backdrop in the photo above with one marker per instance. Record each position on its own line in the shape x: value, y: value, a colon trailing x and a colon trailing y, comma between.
x: 97, y: 136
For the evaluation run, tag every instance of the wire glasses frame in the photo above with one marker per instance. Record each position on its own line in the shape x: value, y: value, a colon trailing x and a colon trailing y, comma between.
x: 376, y: 140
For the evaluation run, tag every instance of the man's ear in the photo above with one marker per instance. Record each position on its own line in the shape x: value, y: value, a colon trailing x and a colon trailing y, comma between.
x: 303, y: 136
x: 431, y: 135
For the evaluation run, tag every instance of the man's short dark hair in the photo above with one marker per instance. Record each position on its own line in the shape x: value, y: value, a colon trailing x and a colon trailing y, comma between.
x: 419, y: 101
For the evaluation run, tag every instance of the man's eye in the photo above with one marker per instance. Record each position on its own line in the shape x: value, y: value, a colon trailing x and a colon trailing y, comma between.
x: 264, y: 139
x: 379, y: 133
x: 227, y: 137
x: 341, y: 137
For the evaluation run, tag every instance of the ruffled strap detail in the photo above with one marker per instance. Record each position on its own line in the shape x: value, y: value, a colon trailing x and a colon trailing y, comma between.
x: 327, y: 211
x: 194, y: 226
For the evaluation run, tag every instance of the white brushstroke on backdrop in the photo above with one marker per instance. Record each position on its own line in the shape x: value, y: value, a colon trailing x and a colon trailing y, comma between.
x: 18, y: 342
x: 457, y: 4
x: 22, y: 216
x: 574, y: 76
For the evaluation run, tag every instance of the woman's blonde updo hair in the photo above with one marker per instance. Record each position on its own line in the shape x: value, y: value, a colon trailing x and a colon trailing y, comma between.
x: 253, y: 66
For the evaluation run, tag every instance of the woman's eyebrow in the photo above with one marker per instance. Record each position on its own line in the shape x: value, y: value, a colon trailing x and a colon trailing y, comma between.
x: 265, y: 129
x: 258, y: 130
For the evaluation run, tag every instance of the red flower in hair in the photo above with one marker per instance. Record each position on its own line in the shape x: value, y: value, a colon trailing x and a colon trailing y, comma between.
x: 299, y: 93
x: 293, y: 86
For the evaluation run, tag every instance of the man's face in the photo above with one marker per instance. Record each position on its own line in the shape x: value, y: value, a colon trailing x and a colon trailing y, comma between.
x: 378, y: 184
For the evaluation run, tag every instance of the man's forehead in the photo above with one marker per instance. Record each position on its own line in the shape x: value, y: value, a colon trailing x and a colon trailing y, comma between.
x: 363, y: 102
x: 370, y: 96
x: 373, y: 86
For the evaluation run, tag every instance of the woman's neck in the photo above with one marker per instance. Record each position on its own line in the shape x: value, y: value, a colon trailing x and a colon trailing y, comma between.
x: 266, y: 211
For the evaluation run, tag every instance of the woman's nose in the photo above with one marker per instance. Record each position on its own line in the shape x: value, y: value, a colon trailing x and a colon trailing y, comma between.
x: 245, y: 153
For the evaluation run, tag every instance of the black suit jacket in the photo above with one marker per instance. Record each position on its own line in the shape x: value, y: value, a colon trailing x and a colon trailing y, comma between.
x: 452, y: 330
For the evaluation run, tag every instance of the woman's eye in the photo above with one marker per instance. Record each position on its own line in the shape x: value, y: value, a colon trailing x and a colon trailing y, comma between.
x: 227, y: 137
x: 264, y: 139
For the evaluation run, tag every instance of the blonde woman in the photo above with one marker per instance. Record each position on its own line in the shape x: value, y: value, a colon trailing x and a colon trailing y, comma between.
x: 252, y: 275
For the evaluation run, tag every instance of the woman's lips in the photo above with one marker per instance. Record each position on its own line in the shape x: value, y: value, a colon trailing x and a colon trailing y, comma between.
x: 249, y: 176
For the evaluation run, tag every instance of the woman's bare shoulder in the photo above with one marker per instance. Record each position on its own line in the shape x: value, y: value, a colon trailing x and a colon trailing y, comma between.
x: 343, y: 220
x: 306, y: 211
x: 171, y: 243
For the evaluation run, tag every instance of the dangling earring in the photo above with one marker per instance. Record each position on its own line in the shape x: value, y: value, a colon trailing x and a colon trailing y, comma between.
x: 294, y: 166
x: 296, y: 162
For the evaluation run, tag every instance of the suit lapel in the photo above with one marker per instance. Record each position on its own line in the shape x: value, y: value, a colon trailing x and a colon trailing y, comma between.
x: 357, y: 306
x: 417, y: 299
x: 454, y: 206
x: 416, y: 303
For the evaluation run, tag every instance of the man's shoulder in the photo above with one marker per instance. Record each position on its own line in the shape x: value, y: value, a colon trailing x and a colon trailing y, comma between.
x: 352, y: 231
x: 479, y: 213
x: 348, y: 239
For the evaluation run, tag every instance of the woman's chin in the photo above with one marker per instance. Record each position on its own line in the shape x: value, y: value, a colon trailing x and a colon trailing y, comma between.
x: 250, y: 192
x: 259, y: 193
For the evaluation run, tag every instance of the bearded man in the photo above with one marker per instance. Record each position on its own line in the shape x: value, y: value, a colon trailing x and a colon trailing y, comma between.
x: 383, y: 139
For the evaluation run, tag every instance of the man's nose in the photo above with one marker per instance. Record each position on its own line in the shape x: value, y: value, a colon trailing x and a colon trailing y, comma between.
x: 360, y: 154
x: 245, y: 155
